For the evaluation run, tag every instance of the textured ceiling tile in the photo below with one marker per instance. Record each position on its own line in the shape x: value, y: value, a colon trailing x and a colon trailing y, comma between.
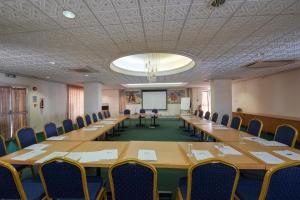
x: 176, y: 12
x: 130, y: 16
x: 152, y: 14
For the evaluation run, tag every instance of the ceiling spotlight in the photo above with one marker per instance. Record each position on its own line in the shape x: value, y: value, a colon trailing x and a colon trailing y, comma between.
x: 48, y: 77
x: 86, y: 75
x: 52, y: 63
x: 69, y: 14
x: 217, y: 3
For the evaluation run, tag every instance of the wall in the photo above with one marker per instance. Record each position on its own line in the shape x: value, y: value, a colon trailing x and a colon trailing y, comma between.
x: 55, y: 100
x: 111, y: 97
x: 276, y: 94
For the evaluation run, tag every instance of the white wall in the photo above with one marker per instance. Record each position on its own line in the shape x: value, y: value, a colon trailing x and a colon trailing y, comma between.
x: 55, y: 100
x: 276, y: 94
x: 92, y: 97
x: 111, y: 97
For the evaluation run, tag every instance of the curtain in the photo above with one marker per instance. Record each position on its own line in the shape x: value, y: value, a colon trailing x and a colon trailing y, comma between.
x: 4, y: 111
x: 75, y: 102
x: 122, y: 103
x: 19, y: 112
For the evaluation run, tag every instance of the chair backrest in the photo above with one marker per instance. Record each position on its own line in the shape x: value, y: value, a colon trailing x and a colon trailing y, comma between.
x: 126, y: 112
x: 142, y: 110
x: 207, y: 115
x: 95, y: 118
x: 50, y: 130
x: 64, y: 178
x: 282, y: 182
x: 214, y: 117
x: 25, y: 137
x: 3, y: 150
x: 200, y: 114
x: 154, y: 111
x: 105, y: 114
x: 212, y: 179
x: 80, y: 122
x: 225, y: 120
x: 108, y: 114
x: 88, y: 119
x: 195, y: 112
x: 140, y: 179
x: 236, y: 122
x: 100, y: 115
x: 254, y: 127
x: 11, y: 186
x: 286, y: 134
x: 68, y: 125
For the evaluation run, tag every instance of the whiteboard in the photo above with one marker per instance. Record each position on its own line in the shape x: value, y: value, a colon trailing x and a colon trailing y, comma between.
x: 185, y: 103
x: 154, y: 99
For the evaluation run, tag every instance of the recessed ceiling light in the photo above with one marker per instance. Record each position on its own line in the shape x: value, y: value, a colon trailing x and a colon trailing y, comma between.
x: 52, y: 63
x: 154, y: 85
x: 48, y: 77
x: 86, y: 75
x: 69, y: 14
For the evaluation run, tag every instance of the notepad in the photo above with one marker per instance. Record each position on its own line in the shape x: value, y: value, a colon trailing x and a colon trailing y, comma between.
x: 37, y: 146
x: 202, y: 154
x: 89, y: 129
x: 202, y: 123
x: 148, y: 155
x: 288, y: 154
x: 110, y: 119
x: 56, y: 138
x: 28, y: 155
x: 266, y: 157
x: 52, y: 155
x: 98, y: 126
x: 228, y: 150
x: 108, y: 154
x: 272, y: 144
x: 220, y: 128
x: 108, y: 122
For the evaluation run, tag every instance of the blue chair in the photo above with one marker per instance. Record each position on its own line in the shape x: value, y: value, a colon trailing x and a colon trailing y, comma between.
x: 80, y: 122
x: 225, y: 120
x: 64, y: 178
x: 68, y: 125
x: 142, y: 111
x: 286, y: 134
x: 133, y: 179
x: 50, y: 130
x: 108, y: 114
x: 195, y: 112
x: 281, y: 182
x: 207, y: 115
x: 88, y: 119
x: 13, y: 188
x: 100, y: 116
x: 236, y: 123
x: 200, y: 114
x: 105, y: 114
x: 126, y: 112
x: 214, y: 117
x: 209, y: 179
x: 254, y: 127
x: 155, y: 111
x: 25, y: 137
x: 95, y: 118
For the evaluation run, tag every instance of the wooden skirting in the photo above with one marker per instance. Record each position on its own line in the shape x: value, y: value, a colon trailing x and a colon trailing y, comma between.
x: 270, y: 121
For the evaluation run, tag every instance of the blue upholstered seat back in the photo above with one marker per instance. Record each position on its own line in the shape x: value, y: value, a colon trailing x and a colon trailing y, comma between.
x: 95, y: 119
x: 108, y: 114
x: 155, y: 111
x: 285, y: 134
x: 8, y: 189
x: 100, y: 115
x: 142, y: 110
x: 285, y: 184
x: 80, y: 122
x: 126, y: 112
x: 195, y: 113
x: 225, y: 120
x: 214, y: 117
x: 50, y: 130
x: 105, y: 114
x: 2, y: 147
x: 207, y: 115
x: 68, y: 125
x: 133, y: 182
x: 88, y: 119
x: 212, y: 181
x: 235, y: 122
x: 200, y: 114
x: 254, y: 127
x: 63, y: 180
x: 26, y: 137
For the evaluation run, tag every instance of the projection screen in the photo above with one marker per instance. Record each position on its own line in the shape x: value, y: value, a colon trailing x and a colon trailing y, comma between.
x: 154, y: 99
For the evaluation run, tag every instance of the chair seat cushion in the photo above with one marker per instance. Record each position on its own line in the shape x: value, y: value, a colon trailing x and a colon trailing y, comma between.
x: 183, y: 186
x: 33, y: 189
x: 248, y: 188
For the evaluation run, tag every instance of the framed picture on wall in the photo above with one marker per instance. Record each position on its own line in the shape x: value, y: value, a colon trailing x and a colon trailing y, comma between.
x: 174, y: 96
x: 133, y: 97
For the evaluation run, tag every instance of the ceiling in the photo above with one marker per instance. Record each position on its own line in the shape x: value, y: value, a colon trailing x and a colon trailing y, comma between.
x: 220, y: 40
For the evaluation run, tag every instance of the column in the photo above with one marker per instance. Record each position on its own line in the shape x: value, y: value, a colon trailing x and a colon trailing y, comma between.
x: 92, y: 97
x: 221, y: 97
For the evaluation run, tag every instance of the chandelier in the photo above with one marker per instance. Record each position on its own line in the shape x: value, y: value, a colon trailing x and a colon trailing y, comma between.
x: 151, y: 65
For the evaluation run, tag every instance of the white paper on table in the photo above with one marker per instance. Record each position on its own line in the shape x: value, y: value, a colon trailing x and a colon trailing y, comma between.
x: 89, y: 129
x: 288, y: 154
x: 202, y: 154
x: 272, y: 144
x: 37, y: 146
x: 108, y: 122
x: 29, y: 155
x: 217, y: 125
x: 148, y: 155
x: 266, y: 157
x: 52, y: 155
x: 202, y: 123
x: 98, y: 126
x: 228, y: 150
x: 110, y: 119
x: 74, y: 155
x: 56, y: 138
x: 220, y: 128
x: 108, y: 154
x: 253, y: 139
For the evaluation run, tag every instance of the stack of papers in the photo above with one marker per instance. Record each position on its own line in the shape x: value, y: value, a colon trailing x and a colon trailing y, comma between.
x: 220, y: 128
x: 56, y: 138
x: 288, y: 154
x: 266, y: 157
x: 202, y: 154
x: 202, y: 123
x: 89, y: 129
x: 265, y: 142
x: 110, y: 119
x: 228, y: 150
x: 108, y: 122
x: 52, y: 155
x: 98, y: 126
x: 37, y: 146
x: 28, y: 155
x: 85, y: 157
x: 148, y: 155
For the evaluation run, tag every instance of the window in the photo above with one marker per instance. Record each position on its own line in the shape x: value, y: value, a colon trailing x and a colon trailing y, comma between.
x: 75, y: 102
x: 205, y: 101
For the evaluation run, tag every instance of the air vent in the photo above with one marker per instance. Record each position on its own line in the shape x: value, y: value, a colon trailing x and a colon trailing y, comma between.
x: 85, y: 70
x: 269, y: 64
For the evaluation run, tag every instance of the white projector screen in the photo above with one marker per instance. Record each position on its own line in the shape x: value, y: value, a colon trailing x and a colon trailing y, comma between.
x: 155, y: 99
